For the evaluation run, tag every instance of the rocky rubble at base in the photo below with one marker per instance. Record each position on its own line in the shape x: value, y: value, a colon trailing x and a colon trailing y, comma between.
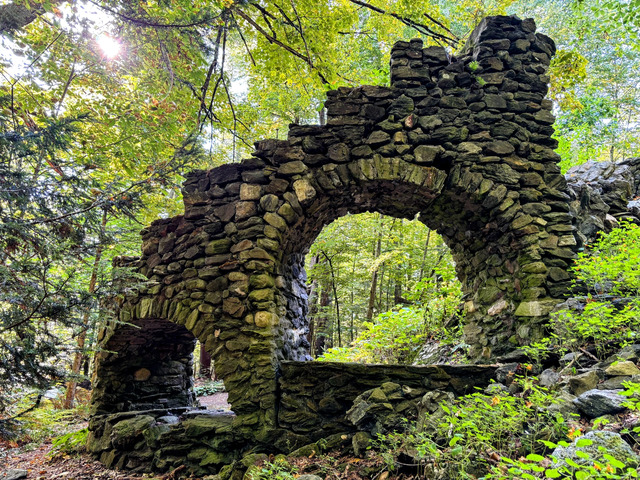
x: 587, y: 392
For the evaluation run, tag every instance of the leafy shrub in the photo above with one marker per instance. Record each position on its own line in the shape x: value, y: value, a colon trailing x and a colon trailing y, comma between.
x: 31, y: 421
x: 279, y: 469
x: 395, y: 337
x: 609, y: 269
x: 612, y: 263
x: 602, y: 466
x: 475, y: 431
x: 600, y: 323
x: 209, y: 388
x: 398, y: 335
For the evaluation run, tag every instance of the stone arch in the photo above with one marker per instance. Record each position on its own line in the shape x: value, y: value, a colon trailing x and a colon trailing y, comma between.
x: 153, y: 368
x: 393, y: 187
x: 463, y: 142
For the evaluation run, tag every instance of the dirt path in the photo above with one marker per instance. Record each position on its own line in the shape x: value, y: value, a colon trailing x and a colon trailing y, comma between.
x: 217, y: 401
x: 40, y: 467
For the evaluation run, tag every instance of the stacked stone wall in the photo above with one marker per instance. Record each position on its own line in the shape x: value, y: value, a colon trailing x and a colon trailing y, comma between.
x: 313, y: 401
x: 153, y: 368
x: 463, y: 143
x: 315, y: 397
x: 602, y: 194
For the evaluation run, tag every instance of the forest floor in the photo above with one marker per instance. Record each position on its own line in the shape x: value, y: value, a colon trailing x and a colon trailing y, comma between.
x: 217, y: 401
x: 40, y: 461
x: 41, y: 464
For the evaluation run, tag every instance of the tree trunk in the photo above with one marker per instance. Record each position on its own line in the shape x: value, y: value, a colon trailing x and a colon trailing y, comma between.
x: 374, y: 276
x: 205, y: 363
x: 79, y: 356
x: 323, y: 337
x: 313, y: 307
x: 335, y: 298
x: 397, y: 294
x: 424, y: 255
x: 353, y: 313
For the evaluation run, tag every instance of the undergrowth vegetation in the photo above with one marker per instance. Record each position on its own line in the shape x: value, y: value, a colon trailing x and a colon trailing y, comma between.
x: 399, y: 334
x: 26, y: 425
x: 209, y: 388
x: 607, y: 273
x: 500, y: 435
x: 516, y: 432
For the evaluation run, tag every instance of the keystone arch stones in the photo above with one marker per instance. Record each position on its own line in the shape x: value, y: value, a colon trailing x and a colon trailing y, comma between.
x: 462, y: 143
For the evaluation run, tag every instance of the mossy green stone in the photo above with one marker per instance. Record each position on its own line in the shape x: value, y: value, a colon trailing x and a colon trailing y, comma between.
x: 218, y: 246
x: 262, y: 295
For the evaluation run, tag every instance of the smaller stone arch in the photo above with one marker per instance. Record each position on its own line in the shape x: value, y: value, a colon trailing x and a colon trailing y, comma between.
x: 152, y: 370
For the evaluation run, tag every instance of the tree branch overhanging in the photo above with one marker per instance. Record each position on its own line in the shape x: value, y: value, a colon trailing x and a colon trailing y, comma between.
x: 423, y: 29
x: 206, y: 19
x: 288, y: 48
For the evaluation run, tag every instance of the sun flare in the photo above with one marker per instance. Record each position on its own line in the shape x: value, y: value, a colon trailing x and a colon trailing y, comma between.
x: 110, y: 46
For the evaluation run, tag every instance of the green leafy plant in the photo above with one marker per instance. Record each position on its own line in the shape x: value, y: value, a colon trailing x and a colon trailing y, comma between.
x: 599, y: 324
x: 279, y: 469
x: 476, y: 430
x: 586, y: 467
x: 632, y: 390
x: 395, y: 337
x: 612, y: 263
x: 209, y: 388
x: 69, y: 443
x: 610, y: 272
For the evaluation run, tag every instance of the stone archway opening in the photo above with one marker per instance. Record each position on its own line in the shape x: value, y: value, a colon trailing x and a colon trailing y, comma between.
x: 209, y: 389
x: 374, y: 278
x: 152, y: 370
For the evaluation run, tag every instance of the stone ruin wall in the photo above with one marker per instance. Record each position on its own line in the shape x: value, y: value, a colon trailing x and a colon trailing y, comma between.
x: 462, y: 143
x: 313, y: 400
x: 603, y: 194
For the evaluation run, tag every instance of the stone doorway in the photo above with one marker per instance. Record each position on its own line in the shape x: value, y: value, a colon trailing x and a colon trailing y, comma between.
x: 154, y: 368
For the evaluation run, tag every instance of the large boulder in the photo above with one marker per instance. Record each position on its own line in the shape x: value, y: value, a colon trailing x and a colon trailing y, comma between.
x: 595, y: 403
x: 594, y: 444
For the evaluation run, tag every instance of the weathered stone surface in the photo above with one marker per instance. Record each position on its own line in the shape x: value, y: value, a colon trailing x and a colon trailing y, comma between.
x: 595, y: 403
x: 601, y: 191
x: 386, y: 393
x: 579, y: 384
x: 304, y: 191
x: 125, y: 432
x: 601, y: 442
x: 536, y: 308
x: 427, y: 153
x: 622, y: 368
x: 13, y: 474
x: 549, y: 378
